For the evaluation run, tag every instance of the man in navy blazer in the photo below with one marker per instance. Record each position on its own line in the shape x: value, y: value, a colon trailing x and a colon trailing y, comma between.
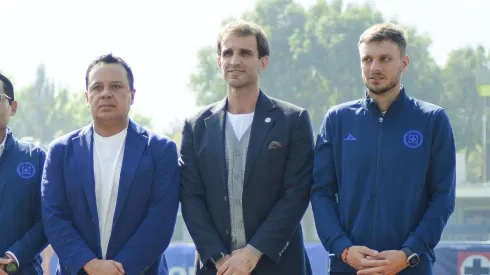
x: 110, y: 189
x: 246, y: 169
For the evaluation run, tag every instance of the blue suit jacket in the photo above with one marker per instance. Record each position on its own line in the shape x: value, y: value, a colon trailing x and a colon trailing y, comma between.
x: 146, y: 209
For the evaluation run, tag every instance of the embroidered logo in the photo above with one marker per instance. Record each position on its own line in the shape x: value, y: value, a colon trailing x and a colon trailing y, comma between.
x: 26, y: 170
x: 413, y: 139
x: 350, y: 137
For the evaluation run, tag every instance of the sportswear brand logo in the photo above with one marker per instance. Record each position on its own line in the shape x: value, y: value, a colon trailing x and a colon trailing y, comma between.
x: 350, y: 137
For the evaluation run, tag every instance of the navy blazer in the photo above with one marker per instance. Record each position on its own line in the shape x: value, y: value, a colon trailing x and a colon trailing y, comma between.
x: 146, y: 208
x: 21, y: 166
x: 277, y: 181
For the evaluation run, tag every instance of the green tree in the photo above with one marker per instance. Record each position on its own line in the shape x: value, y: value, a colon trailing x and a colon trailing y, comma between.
x: 174, y: 131
x: 465, y: 106
x: 330, y: 46
x: 314, y: 57
x: 280, y: 19
x: 315, y: 64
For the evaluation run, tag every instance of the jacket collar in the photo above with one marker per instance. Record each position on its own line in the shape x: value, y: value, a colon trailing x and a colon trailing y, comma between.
x: 395, y: 107
x: 7, y: 142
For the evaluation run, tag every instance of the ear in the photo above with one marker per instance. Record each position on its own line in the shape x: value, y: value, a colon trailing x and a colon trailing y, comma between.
x: 13, y: 107
x: 264, y: 63
x: 86, y: 98
x: 405, y: 62
x: 219, y: 62
x: 133, y: 92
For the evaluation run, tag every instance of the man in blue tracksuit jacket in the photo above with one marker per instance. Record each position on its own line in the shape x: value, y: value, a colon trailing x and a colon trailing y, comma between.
x: 384, y: 170
x: 21, y: 165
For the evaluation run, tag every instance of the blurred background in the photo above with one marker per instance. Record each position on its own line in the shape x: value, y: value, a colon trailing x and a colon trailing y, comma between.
x: 47, y: 46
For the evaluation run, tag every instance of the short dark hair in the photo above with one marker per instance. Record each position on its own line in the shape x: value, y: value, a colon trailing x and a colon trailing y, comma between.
x: 385, y: 31
x: 244, y: 28
x: 8, y: 88
x: 110, y: 59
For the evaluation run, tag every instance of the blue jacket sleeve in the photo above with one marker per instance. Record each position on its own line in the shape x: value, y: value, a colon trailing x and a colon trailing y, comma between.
x: 71, y: 249
x: 441, y: 181
x: 153, y: 236
x: 324, y: 193
x: 31, y: 244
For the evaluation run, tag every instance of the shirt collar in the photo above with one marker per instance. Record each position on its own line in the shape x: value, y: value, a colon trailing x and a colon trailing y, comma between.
x: 2, y: 145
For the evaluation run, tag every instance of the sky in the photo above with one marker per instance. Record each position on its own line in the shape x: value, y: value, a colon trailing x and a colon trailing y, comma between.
x: 160, y: 40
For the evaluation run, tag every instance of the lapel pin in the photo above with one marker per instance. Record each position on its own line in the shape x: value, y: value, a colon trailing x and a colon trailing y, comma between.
x: 267, y: 120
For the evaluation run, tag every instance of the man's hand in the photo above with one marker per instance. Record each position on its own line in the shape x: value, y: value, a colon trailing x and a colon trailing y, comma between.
x: 222, y: 261
x: 4, y: 262
x: 103, y: 267
x: 361, y: 257
x: 241, y: 262
x: 397, y: 262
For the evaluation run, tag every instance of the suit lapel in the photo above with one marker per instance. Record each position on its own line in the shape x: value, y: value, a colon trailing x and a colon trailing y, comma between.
x: 264, y: 119
x: 133, y: 150
x: 83, y: 150
x: 215, y: 137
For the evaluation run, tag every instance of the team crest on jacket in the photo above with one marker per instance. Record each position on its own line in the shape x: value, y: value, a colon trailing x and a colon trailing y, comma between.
x: 26, y: 170
x: 413, y: 139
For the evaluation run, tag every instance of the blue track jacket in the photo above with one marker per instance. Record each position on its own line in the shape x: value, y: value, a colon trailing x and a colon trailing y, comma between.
x: 21, y: 167
x: 384, y: 181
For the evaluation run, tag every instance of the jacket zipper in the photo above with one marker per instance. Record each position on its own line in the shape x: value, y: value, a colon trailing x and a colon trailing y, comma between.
x: 378, y: 156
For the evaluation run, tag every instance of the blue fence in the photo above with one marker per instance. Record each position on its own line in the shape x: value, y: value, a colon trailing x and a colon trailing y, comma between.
x: 452, y: 259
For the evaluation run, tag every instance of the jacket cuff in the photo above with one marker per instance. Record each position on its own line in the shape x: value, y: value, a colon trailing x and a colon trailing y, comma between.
x: 13, y: 256
x: 340, y: 243
x: 205, y: 261
x: 416, y: 244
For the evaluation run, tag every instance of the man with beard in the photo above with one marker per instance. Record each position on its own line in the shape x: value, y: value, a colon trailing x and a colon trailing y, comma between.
x: 384, y: 170
x: 247, y: 169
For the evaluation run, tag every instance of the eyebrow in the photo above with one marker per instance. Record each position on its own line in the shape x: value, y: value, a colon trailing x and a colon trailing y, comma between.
x: 112, y: 82
x: 381, y: 55
x: 242, y: 50
x: 117, y: 82
x: 246, y: 51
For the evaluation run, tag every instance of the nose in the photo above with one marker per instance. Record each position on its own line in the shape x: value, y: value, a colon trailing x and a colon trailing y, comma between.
x: 234, y: 59
x: 375, y: 66
x: 106, y: 93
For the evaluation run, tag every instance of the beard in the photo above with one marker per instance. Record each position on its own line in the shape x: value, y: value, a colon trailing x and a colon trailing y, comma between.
x: 384, y: 89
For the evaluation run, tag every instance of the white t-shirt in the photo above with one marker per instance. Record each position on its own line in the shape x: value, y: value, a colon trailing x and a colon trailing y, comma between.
x: 108, y: 156
x: 240, y: 123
